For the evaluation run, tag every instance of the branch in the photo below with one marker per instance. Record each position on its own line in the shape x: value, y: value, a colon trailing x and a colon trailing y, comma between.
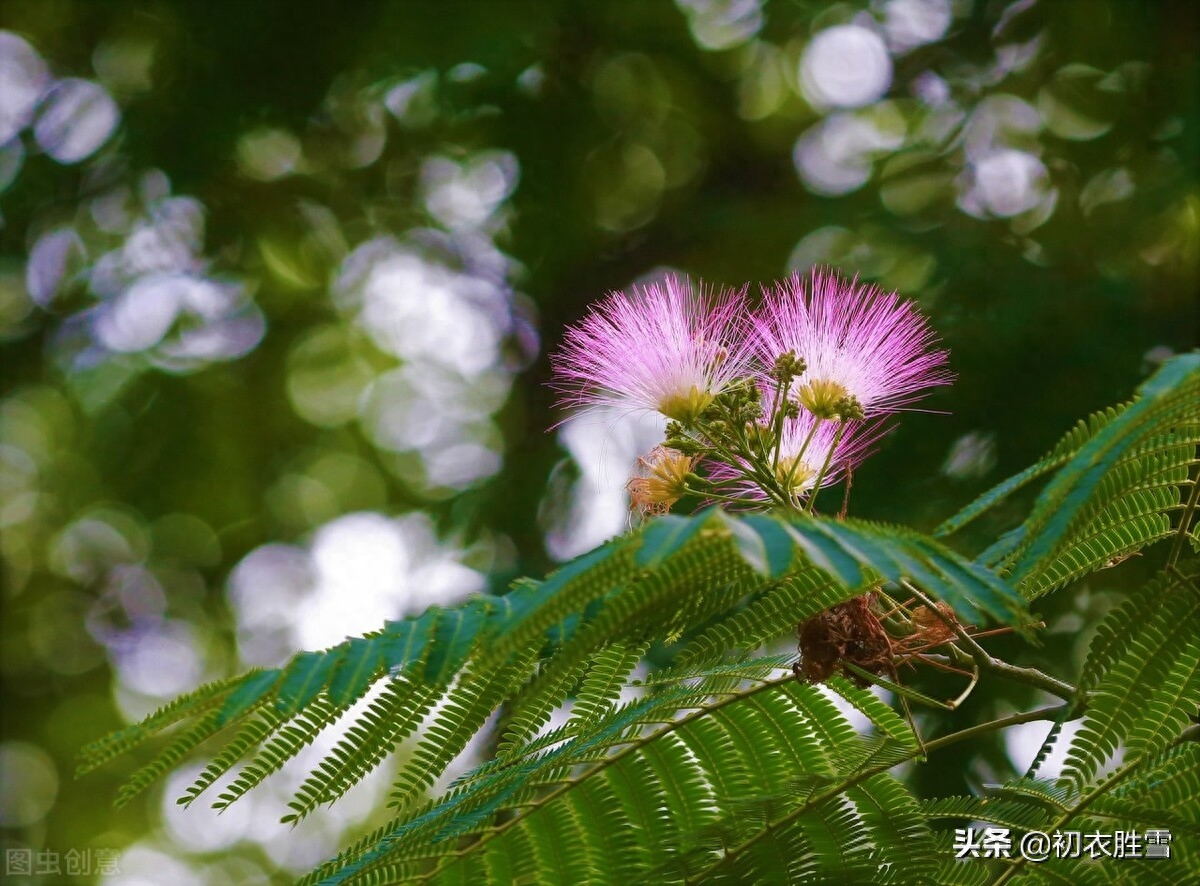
x: 1185, y: 522
x: 986, y: 662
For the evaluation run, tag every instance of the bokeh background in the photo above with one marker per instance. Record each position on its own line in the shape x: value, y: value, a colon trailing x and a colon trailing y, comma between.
x: 278, y: 281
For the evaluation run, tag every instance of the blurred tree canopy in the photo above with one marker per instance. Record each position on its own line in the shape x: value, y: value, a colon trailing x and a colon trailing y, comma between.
x: 278, y: 281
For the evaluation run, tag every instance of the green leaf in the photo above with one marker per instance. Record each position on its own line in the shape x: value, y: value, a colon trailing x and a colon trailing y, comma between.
x: 303, y: 678
x: 454, y: 633
x: 1169, y: 393
x: 664, y: 536
x: 764, y: 544
x: 825, y: 553
x: 250, y: 694
x: 1146, y: 678
x: 358, y: 668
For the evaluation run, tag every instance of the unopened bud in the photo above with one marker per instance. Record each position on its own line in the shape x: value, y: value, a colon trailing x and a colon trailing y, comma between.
x: 849, y: 409
x: 787, y: 366
x: 686, y: 445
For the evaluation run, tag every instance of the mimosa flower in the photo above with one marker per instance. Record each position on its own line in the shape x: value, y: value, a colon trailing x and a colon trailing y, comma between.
x: 666, y: 348
x: 800, y: 464
x: 661, y: 481
x: 807, y: 446
x: 855, y: 340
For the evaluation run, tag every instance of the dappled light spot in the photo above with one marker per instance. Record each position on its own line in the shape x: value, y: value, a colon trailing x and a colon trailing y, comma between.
x: 75, y: 119
x: 18, y: 486
x: 16, y: 306
x: 326, y: 375
x: 846, y: 66
x: 579, y: 514
x: 894, y: 262
x: 425, y: 410
x: 12, y: 158
x: 915, y: 182
x: 414, y: 101
x: 28, y: 784
x: 531, y: 80
x: 266, y: 589
x: 627, y: 185
x: 1107, y: 186
x: 763, y: 88
x: 450, y: 328
x: 201, y: 829
x: 323, y: 485
x: 722, y: 24
x: 160, y: 660
x: 836, y: 156
x: 132, y: 597
x: 931, y: 89
x: 1000, y: 121
x: 217, y: 338
x: 168, y: 237
x: 1077, y: 103
x: 361, y: 569
x: 419, y: 310
x: 138, y: 318
x: 268, y: 154
x: 24, y: 77
x: 1005, y: 183
x: 827, y: 244
x: 87, y: 547
x: 467, y: 195
x: 466, y: 72
x: 971, y: 456
x: 912, y: 23
x: 461, y: 464
x: 141, y: 865
x: 54, y: 260
x: 631, y: 92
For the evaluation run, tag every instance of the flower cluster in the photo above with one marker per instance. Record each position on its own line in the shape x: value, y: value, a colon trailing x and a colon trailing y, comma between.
x: 765, y: 407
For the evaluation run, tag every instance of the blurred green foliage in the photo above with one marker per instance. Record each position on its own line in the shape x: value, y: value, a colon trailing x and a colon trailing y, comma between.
x: 267, y: 265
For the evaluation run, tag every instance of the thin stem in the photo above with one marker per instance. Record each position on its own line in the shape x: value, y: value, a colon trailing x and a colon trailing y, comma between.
x: 940, y: 665
x: 837, y: 438
x: 716, y: 496
x: 1050, y: 712
x: 743, y: 462
x: 999, y: 667
x: 804, y: 447
x: 798, y: 458
x: 1185, y: 522
x: 902, y: 691
x: 777, y: 418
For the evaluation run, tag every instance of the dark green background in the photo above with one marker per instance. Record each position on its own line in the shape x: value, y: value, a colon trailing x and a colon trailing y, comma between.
x: 1043, y: 325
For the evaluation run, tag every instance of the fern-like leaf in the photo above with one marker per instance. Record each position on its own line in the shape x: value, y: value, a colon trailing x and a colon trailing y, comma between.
x: 1156, y: 661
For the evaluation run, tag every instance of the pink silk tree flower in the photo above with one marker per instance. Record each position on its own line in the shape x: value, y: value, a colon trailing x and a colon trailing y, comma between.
x: 665, y: 348
x: 805, y: 449
x: 661, y: 480
x: 856, y: 341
